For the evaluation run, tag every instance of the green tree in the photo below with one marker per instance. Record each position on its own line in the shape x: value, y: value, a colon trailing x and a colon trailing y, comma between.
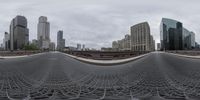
x: 30, y: 47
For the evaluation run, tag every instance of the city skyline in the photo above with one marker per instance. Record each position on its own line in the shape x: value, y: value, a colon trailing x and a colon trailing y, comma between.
x: 91, y: 26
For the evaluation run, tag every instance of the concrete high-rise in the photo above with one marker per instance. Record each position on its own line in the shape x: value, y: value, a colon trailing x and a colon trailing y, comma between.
x: 19, y: 33
x: 123, y: 44
x: 152, y: 45
x: 60, y: 41
x: 171, y: 34
x: 127, y: 42
x: 140, y: 37
x: 43, y: 34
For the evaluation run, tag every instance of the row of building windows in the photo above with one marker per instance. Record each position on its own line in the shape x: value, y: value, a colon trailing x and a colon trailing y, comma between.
x: 139, y: 48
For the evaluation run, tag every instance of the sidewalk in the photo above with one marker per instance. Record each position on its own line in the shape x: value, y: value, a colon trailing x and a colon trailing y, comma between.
x: 10, y: 57
x: 187, y: 56
x: 106, y: 62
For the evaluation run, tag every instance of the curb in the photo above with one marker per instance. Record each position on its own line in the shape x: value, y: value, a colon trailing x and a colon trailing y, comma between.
x: 7, y: 57
x: 10, y: 57
x: 193, y: 57
x: 106, y: 62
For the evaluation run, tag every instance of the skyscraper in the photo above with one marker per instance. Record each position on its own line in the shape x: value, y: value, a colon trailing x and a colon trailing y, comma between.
x: 188, y: 39
x: 192, y: 39
x: 60, y: 41
x: 78, y: 47
x: 19, y: 33
x: 52, y: 46
x: 127, y: 42
x: 140, y: 37
x: 83, y: 47
x: 171, y: 34
x: 152, y: 45
x: 43, y: 35
x: 6, y: 41
x: 158, y: 46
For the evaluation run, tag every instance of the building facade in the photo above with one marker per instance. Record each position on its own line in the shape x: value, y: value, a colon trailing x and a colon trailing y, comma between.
x: 127, y: 43
x: 6, y: 41
x: 171, y: 34
x: 19, y: 33
x: 60, y: 41
x: 78, y: 47
x: 152, y: 45
x: 106, y: 49
x: 140, y: 37
x: 188, y: 39
x: 123, y: 44
x: 193, y: 39
x: 35, y: 43
x: 115, y: 46
x: 52, y: 46
x: 83, y: 47
x: 158, y: 46
x: 1, y: 47
x: 43, y: 34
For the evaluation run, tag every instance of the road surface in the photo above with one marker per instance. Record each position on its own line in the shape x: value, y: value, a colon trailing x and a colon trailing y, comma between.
x: 55, y: 76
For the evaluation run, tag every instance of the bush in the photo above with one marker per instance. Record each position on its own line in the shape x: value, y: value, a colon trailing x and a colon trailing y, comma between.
x: 31, y: 47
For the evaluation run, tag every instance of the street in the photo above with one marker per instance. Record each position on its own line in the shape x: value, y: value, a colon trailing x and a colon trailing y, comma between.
x: 55, y: 76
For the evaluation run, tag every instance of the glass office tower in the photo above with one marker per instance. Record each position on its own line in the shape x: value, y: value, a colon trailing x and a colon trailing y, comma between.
x: 171, y: 34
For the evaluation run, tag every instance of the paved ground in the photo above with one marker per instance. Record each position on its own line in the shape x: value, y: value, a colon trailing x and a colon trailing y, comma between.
x: 55, y: 76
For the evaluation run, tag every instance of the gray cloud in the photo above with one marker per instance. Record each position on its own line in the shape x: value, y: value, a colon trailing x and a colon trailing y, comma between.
x: 97, y: 23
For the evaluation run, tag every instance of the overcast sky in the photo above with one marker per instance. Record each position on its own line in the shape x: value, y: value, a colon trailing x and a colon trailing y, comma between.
x: 97, y: 23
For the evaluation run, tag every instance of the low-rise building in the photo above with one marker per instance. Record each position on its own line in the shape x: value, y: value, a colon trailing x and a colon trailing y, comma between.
x: 70, y: 48
x: 106, y: 49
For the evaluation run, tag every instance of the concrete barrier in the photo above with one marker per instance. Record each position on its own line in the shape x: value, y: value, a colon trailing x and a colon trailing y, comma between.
x: 106, y: 62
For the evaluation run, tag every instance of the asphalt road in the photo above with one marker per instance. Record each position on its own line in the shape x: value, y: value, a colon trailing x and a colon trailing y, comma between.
x: 55, y: 76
